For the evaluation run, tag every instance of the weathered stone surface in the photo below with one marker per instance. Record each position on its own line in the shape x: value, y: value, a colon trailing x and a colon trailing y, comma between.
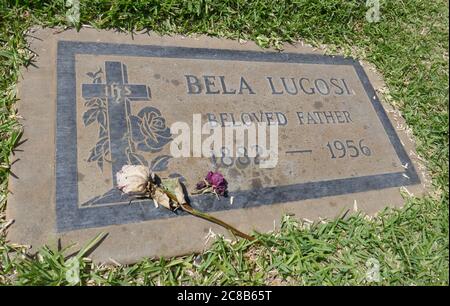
x: 95, y: 101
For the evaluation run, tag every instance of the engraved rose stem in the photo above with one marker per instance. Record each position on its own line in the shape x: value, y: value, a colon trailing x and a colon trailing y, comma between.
x: 127, y: 118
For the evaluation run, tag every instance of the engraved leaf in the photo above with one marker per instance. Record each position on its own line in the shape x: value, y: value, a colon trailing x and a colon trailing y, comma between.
x: 160, y: 163
x: 102, y: 132
x: 89, y: 116
x: 105, y: 147
x: 99, y: 71
x: 136, y: 159
x: 101, y: 102
x: 94, y: 75
x: 177, y: 175
x: 101, y: 116
x: 97, y: 151
x: 100, y: 163
x: 92, y: 102
x: 93, y: 156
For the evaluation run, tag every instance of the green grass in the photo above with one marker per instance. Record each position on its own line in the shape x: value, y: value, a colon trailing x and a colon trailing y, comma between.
x: 409, y: 46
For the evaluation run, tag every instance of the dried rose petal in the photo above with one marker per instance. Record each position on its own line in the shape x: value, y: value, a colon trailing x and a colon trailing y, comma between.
x: 220, y: 190
x: 160, y: 198
x: 133, y: 179
x: 200, y: 185
x: 215, y: 178
x: 217, y: 181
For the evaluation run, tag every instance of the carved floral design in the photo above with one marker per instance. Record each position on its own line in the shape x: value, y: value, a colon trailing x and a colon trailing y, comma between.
x: 149, y: 130
x: 148, y: 133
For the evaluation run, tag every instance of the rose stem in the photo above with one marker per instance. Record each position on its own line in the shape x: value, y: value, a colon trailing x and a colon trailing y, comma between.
x: 187, y: 208
x: 210, y: 218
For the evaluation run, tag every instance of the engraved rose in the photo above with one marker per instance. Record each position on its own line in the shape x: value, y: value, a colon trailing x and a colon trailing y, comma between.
x: 149, y: 130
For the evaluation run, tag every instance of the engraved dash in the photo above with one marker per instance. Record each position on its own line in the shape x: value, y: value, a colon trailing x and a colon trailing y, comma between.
x: 298, y: 151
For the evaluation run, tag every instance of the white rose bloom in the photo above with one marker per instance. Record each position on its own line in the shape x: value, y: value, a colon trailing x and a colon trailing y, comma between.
x: 133, y: 179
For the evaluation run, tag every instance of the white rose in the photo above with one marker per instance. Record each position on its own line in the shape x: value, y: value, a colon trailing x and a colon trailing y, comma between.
x: 133, y: 179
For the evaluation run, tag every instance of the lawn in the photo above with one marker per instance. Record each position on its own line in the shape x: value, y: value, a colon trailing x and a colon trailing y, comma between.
x: 409, y: 46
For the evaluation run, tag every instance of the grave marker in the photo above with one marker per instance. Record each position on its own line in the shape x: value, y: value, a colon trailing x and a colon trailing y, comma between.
x: 96, y: 102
